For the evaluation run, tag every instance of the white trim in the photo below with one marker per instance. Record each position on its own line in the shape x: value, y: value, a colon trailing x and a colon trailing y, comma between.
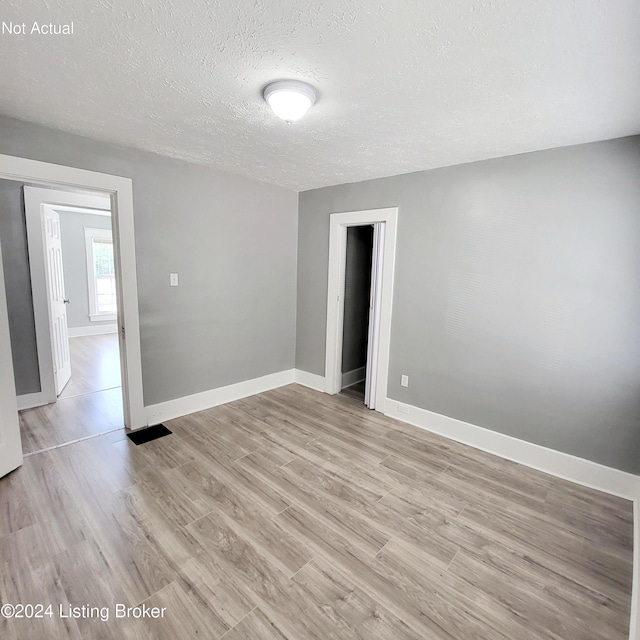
x: 92, y: 212
x: 352, y: 377
x: 562, y: 465
x: 31, y: 400
x: 120, y: 192
x: 93, y: 330
x: 207, y: 399
x: 10, y: 441
x: 375, y: 309
x: 335, y: 304
x: 311, y: 380
x: 76, y: 201
x: 103, y: 317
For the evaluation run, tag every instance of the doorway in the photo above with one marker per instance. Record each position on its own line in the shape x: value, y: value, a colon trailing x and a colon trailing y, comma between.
x: 357, y: 307
x: 120, y: 193
x: 343, y: 320
x: 74, y: 294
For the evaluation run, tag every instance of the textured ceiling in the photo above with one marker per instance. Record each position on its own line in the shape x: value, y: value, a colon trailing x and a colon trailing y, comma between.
x: 404, y: 85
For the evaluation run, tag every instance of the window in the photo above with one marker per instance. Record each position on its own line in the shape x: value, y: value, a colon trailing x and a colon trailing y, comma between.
x: 101, y: 276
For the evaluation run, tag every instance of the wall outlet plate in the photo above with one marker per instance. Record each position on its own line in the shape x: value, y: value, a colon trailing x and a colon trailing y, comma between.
x: 404, y: 381
x: 173, y: 279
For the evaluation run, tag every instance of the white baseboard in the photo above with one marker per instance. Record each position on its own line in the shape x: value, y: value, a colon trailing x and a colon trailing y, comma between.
x: 311, y: 380
x: 94, y: 330
x: 563, y: 465
x: 556, y: 463
x: 207, y: 399
x: 353, y: 376
x: 31, y: 400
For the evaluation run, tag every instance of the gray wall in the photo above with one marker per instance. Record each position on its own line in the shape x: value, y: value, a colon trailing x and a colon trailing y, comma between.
x: 517, y: 293
x: 231, y: 239
x: 15, y: 260
x: 357, y: 286
x: 74, y: 262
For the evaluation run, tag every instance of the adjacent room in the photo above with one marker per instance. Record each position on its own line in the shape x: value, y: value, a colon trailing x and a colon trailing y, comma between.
x: 61, y: 292
x: 320, y: 321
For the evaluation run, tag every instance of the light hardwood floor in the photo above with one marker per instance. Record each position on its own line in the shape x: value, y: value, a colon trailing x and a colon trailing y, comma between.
x: 293, y: 514
x: 91, y: 403
x: 355, y: 391
x: 95, y: 365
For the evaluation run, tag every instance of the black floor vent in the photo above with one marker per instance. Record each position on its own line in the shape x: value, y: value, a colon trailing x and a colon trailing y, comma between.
x: 148, y: 434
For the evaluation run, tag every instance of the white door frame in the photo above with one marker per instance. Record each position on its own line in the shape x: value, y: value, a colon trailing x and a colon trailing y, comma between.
x: 34, y: 200
x: 375, y: 306
x: 335, y: 300
x: 120, y: 191
x: 10, y: 444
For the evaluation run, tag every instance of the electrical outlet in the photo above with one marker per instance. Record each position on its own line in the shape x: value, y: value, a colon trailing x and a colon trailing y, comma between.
x: 404, y: 381
x: 173, y: 279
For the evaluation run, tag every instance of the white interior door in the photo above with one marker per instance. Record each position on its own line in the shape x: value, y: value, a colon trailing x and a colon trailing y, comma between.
x: 375, y: 308
x: 10, y: 445
x: 56, y: 298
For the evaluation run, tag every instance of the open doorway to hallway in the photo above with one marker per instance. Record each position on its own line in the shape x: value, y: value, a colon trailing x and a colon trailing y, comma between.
x: 357, y: 295
x: 60, y: 281
x: 384, y: 222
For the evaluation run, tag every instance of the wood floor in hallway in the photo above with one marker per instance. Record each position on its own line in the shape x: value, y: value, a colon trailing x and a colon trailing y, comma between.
x: 91, y: 402
x: 355, y: 391
x: 293, y: 515
x: 95, y: 365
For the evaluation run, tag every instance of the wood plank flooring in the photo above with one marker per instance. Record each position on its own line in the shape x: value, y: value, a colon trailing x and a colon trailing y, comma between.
x: 293, y: 515
x: 91, y: 403
x: 355, y: 391
x: 95, y: 364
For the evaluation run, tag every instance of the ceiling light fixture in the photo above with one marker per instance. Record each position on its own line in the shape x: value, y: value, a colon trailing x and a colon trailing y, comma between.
x: 289, y: 99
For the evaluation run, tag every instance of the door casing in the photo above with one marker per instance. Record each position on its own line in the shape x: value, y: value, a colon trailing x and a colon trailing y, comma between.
x: 10, y: 442
x: 335, y: 298
x: 120, y: 192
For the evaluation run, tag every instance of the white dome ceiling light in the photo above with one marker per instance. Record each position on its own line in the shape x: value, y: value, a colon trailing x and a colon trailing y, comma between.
x: 289, y: 99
